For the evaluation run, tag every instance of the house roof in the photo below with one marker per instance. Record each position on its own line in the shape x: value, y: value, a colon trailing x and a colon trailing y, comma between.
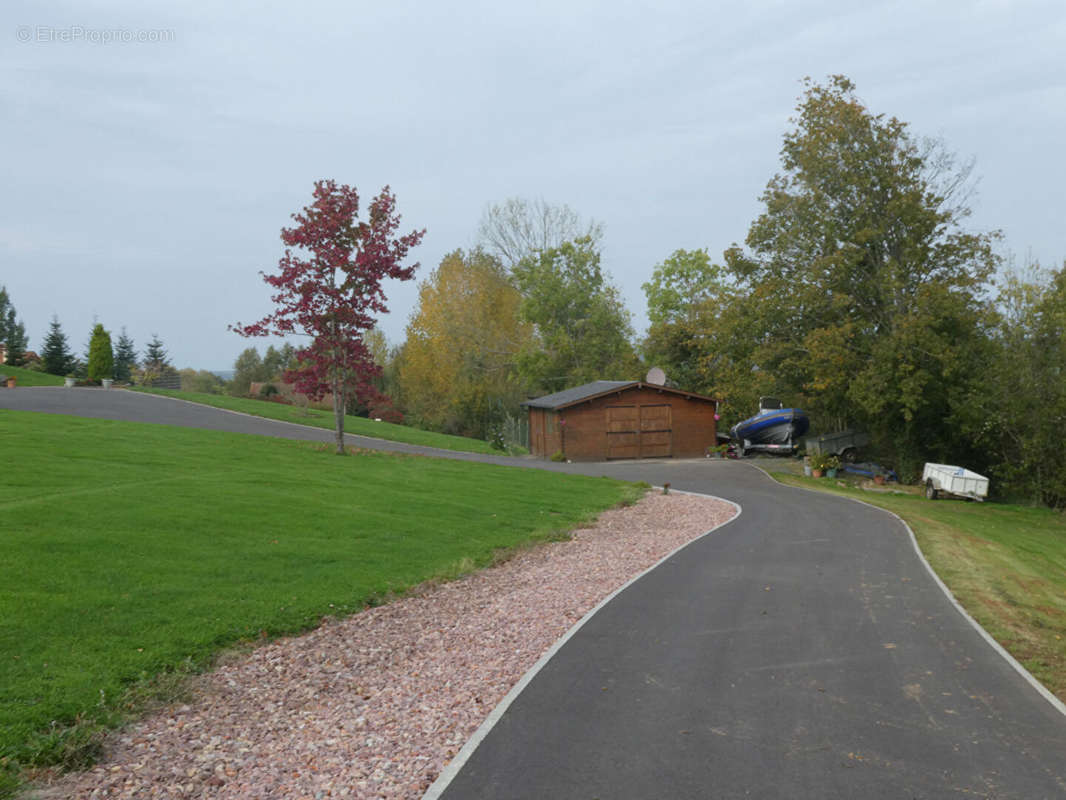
x: 590, y: 391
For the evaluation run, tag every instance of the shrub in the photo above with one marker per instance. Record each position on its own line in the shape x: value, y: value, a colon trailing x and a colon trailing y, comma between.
x: 268, y: 390
x: 386, y: 412
x: 101, y: 356
x: 558, y: 456
x: 820, y: 461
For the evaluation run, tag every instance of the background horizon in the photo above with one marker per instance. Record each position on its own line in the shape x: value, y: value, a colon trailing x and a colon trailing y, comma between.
x: 161, y: 150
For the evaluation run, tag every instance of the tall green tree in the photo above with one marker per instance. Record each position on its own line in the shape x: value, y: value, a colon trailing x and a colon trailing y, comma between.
x: 583, y: 331
x: 685, y: 295
x: 12, y: 331
x: 1018, y: 411
x: 867, y: 292
x: 248, y: 368
x: 56, y: 355
x: 101, y: 357
x: 277, y: 360
x: 125, y: 357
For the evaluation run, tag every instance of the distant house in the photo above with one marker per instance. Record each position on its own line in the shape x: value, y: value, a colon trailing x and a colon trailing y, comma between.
x: 621, y: 419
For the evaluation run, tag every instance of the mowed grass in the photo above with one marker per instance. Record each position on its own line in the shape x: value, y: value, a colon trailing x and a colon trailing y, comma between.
x: 132, y: 550
x: 318, y: 418
x: 1006, y: 564
x: 28, y: 377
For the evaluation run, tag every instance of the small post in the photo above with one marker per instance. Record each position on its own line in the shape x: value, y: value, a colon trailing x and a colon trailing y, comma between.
x: 666, y: 488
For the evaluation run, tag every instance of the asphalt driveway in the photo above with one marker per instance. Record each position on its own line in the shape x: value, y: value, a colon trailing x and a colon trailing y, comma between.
x: 801, y: 651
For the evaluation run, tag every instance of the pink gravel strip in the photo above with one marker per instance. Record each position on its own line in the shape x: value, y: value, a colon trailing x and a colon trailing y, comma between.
x: 375, y: 705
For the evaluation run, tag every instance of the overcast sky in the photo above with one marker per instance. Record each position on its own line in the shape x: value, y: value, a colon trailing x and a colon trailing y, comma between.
x: 145, y: 182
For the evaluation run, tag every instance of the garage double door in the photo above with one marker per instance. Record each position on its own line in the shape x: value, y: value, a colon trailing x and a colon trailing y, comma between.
x: 639, y: 431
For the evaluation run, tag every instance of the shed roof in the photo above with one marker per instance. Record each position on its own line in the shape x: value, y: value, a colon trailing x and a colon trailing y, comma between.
x: 589, y: 391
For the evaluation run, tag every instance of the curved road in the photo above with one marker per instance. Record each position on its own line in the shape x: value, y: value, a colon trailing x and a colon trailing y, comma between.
x: 801, y: 651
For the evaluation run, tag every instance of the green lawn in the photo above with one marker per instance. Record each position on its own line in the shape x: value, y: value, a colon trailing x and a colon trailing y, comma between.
x: 1006, y: 564
x: 324, y: 419
x: 28, y: 377
x: 132, y: 550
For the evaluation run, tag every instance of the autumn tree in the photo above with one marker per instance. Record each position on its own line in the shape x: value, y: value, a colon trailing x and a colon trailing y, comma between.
x: 101, y: 362
x: 459, y: 368
x: 582, y: 328
x: 518, y: 228
x: 866, y: 289
x: 332, y: 294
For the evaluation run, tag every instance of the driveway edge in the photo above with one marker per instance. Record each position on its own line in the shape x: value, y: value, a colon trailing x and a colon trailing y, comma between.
x: 448, y: 774
x: 1044, y: 692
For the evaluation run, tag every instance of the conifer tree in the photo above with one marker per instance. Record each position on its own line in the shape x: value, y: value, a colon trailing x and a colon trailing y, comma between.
x: 101, y: 357
x: 56, y: 355
x: 125, y: 357
x: 155, y: 356
x: 12, y: 331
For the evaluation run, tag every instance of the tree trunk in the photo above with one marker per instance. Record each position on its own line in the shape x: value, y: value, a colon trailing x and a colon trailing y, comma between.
x: 338, y: 415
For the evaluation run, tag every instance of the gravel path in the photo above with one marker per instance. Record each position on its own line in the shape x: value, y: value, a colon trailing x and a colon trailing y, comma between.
x: 374, y: 706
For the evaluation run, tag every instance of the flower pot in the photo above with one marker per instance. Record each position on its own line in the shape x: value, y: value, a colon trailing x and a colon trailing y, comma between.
x: 831, y: 472
x: 816, y: 473
x: 68, y: 382
x: 106, y: 382
x: 11, y: 382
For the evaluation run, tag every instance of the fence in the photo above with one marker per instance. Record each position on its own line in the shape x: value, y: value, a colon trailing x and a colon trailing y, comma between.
x: 516, y: 430
x: 171, y: 381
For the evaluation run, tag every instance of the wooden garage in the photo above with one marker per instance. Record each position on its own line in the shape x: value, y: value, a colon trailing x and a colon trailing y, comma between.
x: 606, y: 420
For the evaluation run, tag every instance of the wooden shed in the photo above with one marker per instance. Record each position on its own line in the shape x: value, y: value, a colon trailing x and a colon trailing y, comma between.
x: 621, y: 419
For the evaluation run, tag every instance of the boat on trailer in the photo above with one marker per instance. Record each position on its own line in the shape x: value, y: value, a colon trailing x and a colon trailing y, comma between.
x: 775, y: 429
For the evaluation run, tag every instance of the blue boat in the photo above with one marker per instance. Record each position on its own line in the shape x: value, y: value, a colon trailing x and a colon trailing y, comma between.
x: 773, y: 430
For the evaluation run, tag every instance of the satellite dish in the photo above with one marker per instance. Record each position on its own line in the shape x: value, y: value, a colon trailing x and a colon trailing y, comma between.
x: 656, y: 377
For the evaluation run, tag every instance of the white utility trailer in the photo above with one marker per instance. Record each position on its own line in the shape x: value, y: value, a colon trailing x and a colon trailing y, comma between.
x: 947, y: 479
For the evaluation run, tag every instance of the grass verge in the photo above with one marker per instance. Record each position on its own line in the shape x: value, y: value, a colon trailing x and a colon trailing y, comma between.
x: 29, y: 377
x: 361, y: 426
x: 136, y: 552
x: 1006, y: 564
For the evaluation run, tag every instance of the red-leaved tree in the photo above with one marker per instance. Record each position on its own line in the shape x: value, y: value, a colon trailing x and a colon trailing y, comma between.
x: 333, y: 294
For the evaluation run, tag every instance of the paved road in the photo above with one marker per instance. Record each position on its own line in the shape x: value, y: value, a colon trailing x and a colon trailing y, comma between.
x: 801, y: 651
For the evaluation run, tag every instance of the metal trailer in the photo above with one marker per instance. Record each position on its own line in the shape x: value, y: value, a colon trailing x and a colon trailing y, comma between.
x: 845, y: 444
x: 940, y: 479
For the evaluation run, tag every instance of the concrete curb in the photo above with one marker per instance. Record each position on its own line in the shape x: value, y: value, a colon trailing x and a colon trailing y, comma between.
x: 456, y: 764
x: 1042, y: 690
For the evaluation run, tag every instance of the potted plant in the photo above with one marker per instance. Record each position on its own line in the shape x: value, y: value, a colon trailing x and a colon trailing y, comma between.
x: 832, y: 464
x: 68, y: 381
x: 819, y: 464
x: 717, y: 451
